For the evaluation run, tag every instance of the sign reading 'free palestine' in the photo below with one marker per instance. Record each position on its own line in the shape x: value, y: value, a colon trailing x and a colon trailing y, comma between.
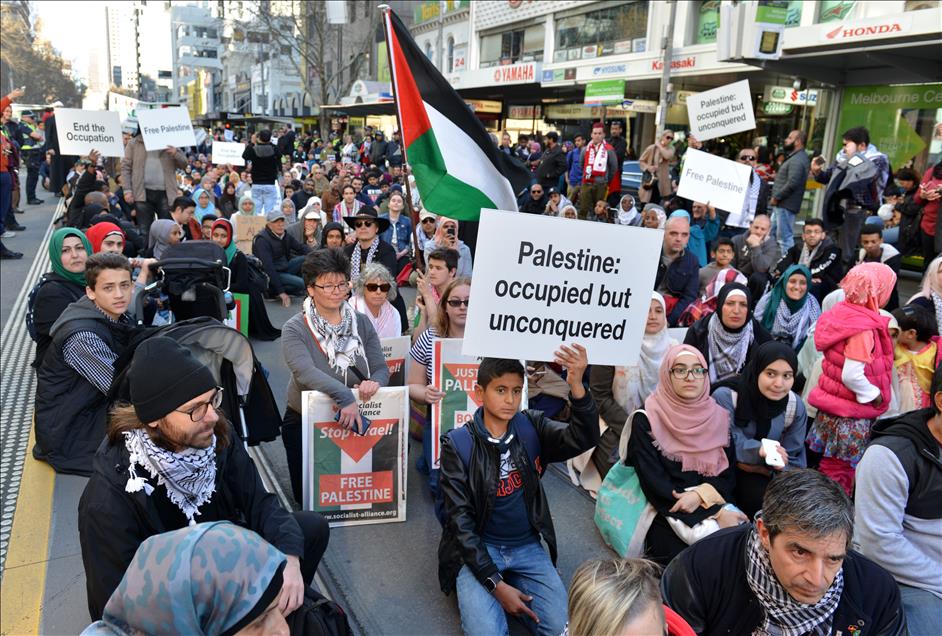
x: 162, y: 127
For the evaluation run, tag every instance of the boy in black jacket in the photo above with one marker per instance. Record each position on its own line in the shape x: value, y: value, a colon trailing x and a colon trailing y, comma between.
x: 495, y: 507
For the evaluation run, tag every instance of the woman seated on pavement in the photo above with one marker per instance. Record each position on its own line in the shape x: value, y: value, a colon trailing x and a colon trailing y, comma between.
x: 289, y: 210
x: 260, y: 326
x: 213, y: 578
x: 68, y: 251
x: 372, y: 296
x: 761, y: 405
x: 204, y: 204
x: 727, y: 337
x: 621, y: 390
x: 450, y: 323
x: 331, y: 348
x: 308, y: 229
x: 227, y: 203
x: 788, y: 310
x: 163, y: 234
x: 680, y: 449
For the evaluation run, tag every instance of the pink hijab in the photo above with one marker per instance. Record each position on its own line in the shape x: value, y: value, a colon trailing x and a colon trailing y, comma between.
x: 869, y: 284
x: 692, y: 432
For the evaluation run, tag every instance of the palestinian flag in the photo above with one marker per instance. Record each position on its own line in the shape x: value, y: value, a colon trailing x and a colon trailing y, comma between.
x: 457, y: 167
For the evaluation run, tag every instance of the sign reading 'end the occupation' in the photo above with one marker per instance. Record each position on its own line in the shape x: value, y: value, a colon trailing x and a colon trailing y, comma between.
x: 540, y: 282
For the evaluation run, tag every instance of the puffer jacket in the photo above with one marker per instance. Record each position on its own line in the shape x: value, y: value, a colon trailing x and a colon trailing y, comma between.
x: 833, y: 329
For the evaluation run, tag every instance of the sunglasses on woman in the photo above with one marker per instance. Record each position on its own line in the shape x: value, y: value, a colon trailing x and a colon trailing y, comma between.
x: 383, y: 287
x: 359, y: 224
x: 454, y: 302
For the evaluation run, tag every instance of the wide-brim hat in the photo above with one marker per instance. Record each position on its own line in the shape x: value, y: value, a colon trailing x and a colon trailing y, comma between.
x: 368, y: 212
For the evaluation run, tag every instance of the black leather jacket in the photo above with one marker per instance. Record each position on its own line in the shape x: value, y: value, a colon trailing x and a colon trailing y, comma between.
x: 469, y: 493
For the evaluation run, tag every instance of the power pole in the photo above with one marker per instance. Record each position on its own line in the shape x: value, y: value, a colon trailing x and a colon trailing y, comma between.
x: 667, y: 48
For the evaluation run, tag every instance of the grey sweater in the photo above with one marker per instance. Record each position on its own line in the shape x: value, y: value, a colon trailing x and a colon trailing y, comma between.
x: 311, y: 372
x: 750, y: 260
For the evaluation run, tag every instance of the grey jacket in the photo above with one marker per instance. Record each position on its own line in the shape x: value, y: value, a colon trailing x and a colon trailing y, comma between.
x: 311, y: 372
x: 132, y: 169
x: 790, y: 181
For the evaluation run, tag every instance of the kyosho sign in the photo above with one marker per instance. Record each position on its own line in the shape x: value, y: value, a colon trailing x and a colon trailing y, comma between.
x: 867, y: 30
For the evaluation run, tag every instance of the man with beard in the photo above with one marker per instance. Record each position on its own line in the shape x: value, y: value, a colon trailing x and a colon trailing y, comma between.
x: 819, y: 254
x: 789, y: 189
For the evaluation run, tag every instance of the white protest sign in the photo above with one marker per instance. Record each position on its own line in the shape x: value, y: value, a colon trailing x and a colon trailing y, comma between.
x: 542, y: 281
x: 721, y: 111
x: 83, y: 130
x: 395, y: 351
x: 227, y: 152
x: 722, y: 183
x: 162, y: 127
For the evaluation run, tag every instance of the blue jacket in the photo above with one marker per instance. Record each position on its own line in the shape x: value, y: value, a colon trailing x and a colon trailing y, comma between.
x: 403, y: 231
x: 574, y: 165
x: 681, y: 280
x: 701, y: 236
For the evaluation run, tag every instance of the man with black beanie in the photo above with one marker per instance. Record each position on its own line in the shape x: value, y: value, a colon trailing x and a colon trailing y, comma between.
x: 170, y: 459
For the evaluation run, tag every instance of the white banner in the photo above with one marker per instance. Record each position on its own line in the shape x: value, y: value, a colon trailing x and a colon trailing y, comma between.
x: 162, y: 127
x: 721, y: 111
x: 710, y: 179
x: 83, y: 130
x: 540, y: 282
x: 227, y: 152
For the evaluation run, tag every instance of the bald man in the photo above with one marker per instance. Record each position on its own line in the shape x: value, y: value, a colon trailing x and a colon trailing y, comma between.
x: 678, y: 272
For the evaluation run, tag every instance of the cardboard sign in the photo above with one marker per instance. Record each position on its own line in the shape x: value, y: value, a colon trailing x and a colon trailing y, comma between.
x: 455, y: 374
x: 238, y: 318
x: 722, y: 183
x: 81, y: 131
x: 396, y: 350
x: 721, y: 111
x: 246, y: 227
x: 540, y: 282
x: 356, y: 479
x: 162, y: 127
x: 225, y: 152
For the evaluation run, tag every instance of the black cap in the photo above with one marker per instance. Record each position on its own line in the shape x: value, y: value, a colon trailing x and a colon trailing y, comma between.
x: 28, y: 113
x: 164, y: 376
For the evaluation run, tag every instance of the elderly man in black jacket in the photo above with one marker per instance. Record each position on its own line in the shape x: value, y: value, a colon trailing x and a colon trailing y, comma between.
x: 793, y: 572
x: 171, y: 459
x: 281, y: 255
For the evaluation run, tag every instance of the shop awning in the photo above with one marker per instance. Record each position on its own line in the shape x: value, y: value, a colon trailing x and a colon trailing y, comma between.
x: 363, y: 109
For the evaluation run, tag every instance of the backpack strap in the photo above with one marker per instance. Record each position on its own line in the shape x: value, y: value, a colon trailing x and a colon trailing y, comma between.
x: 626, y: 435
x: 461, y: 440
x: 791, y: 410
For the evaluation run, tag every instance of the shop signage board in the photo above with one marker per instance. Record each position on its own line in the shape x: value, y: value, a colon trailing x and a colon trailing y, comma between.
x: 605, y: 92
x: 789, y: 95
x: 573, y: 111
x: 710, y: 179
x: 725, y: 110
x: 542, y: 281
x: 81, y: 131
x: 354, y: 479
x: 162, y: 127
x: 395, y: 352
x: 865, y: 30
x: 455, y: 375
x: 484, y: 105
x: 600, y: 71
x: 228, y: 152
x: 506, y: 75
x: 524, y: 112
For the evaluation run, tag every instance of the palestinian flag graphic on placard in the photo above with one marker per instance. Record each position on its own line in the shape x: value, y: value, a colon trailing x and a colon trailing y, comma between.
x: 457, y: 167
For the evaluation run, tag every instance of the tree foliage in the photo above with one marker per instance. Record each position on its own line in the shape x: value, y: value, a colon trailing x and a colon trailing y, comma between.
x: 34, y: 64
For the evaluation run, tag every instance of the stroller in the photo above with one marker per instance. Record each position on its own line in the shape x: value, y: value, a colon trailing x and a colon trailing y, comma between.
x: 247, y: 397
x: 194, y: 277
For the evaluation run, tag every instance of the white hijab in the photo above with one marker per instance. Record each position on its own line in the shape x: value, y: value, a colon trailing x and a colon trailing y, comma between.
x: 633, y: 384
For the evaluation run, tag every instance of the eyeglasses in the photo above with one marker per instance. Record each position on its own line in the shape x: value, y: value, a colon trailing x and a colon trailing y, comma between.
x: 333, y: 289
x: 428, y: 220
x: 682, y: 374
x: 359, y: 224
x: 669, y: 138
x: 198, y: 412
x: 383, y: 287
x: 454, y: 302
x: 747, y: 158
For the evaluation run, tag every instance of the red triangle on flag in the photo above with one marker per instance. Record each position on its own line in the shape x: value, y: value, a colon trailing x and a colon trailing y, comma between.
x: 355, y: 446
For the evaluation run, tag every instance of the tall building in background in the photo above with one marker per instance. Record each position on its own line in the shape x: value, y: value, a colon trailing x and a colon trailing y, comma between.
x: 154, y: 50
x: 196, y: 45
x: 122, y: 46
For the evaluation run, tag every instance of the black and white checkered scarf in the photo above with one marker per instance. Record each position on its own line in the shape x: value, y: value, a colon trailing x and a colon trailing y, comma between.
x: 784, y: 616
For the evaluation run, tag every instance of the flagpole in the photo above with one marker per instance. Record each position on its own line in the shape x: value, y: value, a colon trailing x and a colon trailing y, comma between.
x: 419, y: 257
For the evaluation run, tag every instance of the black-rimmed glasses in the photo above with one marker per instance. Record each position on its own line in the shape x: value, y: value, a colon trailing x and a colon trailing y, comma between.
x: 198, y: 412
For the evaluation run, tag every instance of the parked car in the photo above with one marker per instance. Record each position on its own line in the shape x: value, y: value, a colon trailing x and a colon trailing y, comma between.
x: 631, y: 178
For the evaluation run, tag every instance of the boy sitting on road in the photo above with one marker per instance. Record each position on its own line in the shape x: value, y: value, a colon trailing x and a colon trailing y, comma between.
x: 490, y: 549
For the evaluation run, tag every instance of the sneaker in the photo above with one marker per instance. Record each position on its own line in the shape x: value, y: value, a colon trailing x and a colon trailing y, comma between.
x: 8, y: 235
x: 19, y: 211
x: 16, y: 227
x: 35, y: 201
x: 9, y: 254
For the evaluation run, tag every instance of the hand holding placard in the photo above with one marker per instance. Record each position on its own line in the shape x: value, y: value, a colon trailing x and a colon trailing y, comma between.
x: 721, y: 111
x: 722, y: 182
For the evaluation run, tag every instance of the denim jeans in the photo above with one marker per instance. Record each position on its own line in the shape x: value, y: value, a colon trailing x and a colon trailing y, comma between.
x: 527, y: 568
x: 266, y: 198
x: 290, y: 277
x: 783, y: 224
x: 923, y: 610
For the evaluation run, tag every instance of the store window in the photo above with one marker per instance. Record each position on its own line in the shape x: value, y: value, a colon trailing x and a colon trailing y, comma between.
x: 793, y: 14
x: 609, y: 31
x: 510, y: 47
x: 919, y: 5
x: 706, y: 20
x: 835, y: 10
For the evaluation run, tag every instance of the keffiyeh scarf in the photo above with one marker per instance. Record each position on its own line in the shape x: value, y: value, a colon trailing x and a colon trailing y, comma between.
x: 727, y: 350
x: 784, y: 616
x: 340, y: 343
x: 188, y: 476
x: 357, y: 256
x: 937, y: 301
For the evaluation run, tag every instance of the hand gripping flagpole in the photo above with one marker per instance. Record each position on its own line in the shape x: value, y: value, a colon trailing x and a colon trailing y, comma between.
x: 413, y: 213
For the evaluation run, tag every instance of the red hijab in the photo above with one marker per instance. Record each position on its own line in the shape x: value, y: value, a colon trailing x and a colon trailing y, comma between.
x: 96, y: 234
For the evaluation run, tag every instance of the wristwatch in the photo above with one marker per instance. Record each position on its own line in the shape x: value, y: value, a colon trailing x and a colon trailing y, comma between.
x: 490, y: 583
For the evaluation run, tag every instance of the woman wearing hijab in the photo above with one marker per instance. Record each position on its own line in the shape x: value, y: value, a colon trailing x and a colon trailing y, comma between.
x: 206, y: 579
x: 788, y: 310
x: 331, y: 348
x: 65, y: 284
x: 308, y: 230
x: 204, y: 204
x: 930, y: 292
x: 260, y: 326
x: 727, y: 337
x: 627, y: 212
x: 621, y: 390
x: 679, y: 447
x: 106, y: 237
x: 163, y: 233
x: 856, y: 372
x: 227, y: 203
x: 762, y: 405
x: 288, y: 209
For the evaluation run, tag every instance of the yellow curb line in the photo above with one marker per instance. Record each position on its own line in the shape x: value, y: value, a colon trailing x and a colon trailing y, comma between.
x: 24, y: 575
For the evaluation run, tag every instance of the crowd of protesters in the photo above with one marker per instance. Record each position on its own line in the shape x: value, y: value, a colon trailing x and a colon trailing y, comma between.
x: 805, y: 383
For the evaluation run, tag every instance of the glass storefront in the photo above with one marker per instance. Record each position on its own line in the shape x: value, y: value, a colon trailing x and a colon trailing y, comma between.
x: 612, y: 30
x: 524, y: 44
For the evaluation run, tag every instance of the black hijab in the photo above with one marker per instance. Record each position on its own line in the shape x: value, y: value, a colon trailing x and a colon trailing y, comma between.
x: 727, y: 289
x: 751, y: 404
